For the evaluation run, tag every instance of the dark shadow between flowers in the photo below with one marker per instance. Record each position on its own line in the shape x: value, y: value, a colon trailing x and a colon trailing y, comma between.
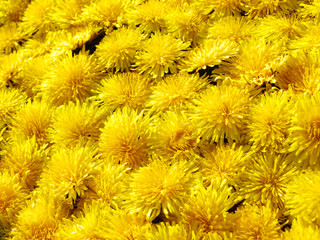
x: 91, y: 45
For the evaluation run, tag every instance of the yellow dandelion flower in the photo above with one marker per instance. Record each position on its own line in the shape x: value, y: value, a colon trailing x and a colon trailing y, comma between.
x: 12, y: 10
x: 221, y: 112
x: 302, y: 231
x: 262, y: 8
x: 11, y: 37
x: 76, y: 123
x: 232, y: 28
x: 117, y: 51
x: 186, y: 23
x: 225, y: 162
x: 256, y: 62
x: 303, y: 197
x: 122, y: 225
x: 89, y: 224
x: 66, y: 175
x: 123, y: 90
x: 41, y: 45
x: 150, y: 15
x: 220, y: 8
x: 11, y: 100
x: 40, y: 219
x: 159, y: 188
x: 281, y: 27
x: 256, y: 223
x: 10, y: 66
x: 304, y: 138
x: 209, y: 54
x: 300, y: 71
x: 310, y: 9
x: 109, y: 185
x: 105, y: 13
x: 171, y: 232
x: 125, y: 137
x: 208, y: 207
x: 71, y: 78
x: 159, y: 55
x: 12, y: 196
x: 265, y: 179
x: 31, y: 75
x: 176, y: 91
x: 33, y: 119
x: 307, y: 41
x: 36, y: 16
x: 66, y: 13
x: 174, y: 136
x: 269, y: 121
x: 26, y: 159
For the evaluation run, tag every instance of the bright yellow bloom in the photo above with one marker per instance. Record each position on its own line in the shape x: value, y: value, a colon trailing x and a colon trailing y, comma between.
x: 36, y: 16
x: 71, y: 78
x: 310, y: 9
x: 176, y: 91
x: 66, y: 13
x: 221, y: 112
x: 109, y: 185
x: 125, y: 138
x: 186, y: 23
x: 10, y: 37
x: 303, y: 197
x: 150, y: 15
x: 31, y: 75
x: 256, y: 62
x: 276, y: 28
x: 256, y: 223
x: 174, y: 136
x: 122, y: 225
x: 12, y: 197
x: 300, y: 230
x: 40, y: 219
x: 117, y: 51
x: 88, y: 224
x: 76, y: 123
x: 304, y: 138
x: 106, y: 13
x: 265, y: 179
x: 269, y: 121
x: 209, y: 54
x: 12, y: 10
x: 10, y: 66
x: 301, y: 72
x: 26, y: 159
x: 308, y: 41
x: 262, y: 8
x: 123, y: 90
x: 11, y: 100
x: 65, y: 176
x: 159, y: 55
x: 33, y: 119
x: 208, y: 207
x: 158, y: 188
x: 223, y: 161
x: 232, y: 28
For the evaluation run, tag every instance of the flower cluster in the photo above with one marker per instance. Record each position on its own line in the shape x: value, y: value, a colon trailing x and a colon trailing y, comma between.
x: 160, y: 119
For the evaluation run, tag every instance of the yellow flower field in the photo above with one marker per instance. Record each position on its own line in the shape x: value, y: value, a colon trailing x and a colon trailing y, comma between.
x: 160, y: 119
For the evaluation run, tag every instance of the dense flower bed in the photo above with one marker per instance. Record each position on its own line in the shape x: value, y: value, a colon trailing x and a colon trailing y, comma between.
x: 160, y: 119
